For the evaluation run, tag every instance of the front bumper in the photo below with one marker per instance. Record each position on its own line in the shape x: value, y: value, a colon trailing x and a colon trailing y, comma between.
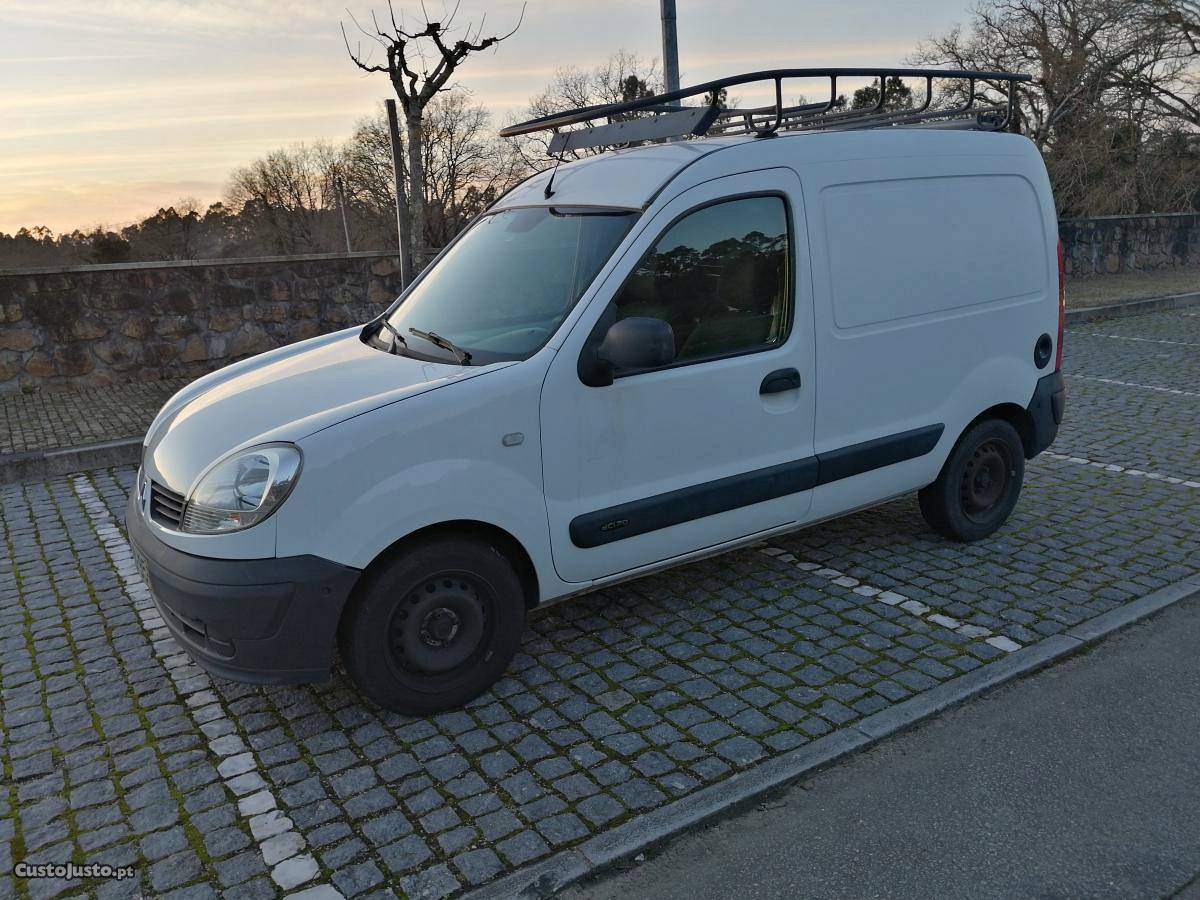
x: 267, y: 621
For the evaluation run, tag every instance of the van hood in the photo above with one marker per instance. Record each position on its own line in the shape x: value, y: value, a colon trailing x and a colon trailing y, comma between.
x: 283, y: 395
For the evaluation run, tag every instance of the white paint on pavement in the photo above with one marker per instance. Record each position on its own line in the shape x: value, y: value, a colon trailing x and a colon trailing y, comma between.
x: 282, y: 847
x: 1128, y: 337
x: 1121, y: 470
x: 320, y: 892
x: 892, y: 598
x: 1000, y: 642
x: 1130, y: 384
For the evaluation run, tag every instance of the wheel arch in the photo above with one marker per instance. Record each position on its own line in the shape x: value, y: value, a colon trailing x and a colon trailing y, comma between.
x: 508, y: 546
x: 1016, y: 416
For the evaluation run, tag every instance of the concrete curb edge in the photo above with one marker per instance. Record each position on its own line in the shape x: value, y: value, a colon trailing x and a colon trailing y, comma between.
x: 547, y: 877
x: 39, y: 464
x: 1132, y: 308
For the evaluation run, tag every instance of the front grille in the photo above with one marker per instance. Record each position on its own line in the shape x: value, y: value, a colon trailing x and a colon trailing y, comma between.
x: 166, y: 506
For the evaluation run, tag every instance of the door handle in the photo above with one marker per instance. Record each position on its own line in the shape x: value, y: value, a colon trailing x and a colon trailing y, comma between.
x: 779, y: 381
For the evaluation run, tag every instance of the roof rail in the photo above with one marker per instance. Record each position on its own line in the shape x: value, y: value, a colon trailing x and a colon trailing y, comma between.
x: 661, y: 117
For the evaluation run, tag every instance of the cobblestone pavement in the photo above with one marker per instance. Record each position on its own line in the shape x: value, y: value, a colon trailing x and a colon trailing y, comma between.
x: 1134, y: 392
x: 42, y: 420
x: 116, y: 749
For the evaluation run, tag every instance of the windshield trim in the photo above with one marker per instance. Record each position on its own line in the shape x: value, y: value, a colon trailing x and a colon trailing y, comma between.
x: 573, y: 209
x: 577, y: 209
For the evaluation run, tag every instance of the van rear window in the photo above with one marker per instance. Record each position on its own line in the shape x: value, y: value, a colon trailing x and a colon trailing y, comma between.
x: 912, y: 247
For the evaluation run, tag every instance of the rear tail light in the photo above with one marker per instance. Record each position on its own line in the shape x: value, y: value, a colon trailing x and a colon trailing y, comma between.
x: 1062, y: 307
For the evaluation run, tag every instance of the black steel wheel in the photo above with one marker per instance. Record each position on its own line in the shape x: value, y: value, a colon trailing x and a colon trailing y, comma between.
x: 980, y: 483
x: 984, y: 481
x: 434, y: 626
x: 441, y: 625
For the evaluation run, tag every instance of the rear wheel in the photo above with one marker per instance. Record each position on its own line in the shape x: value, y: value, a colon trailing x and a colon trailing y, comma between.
x: 979, y: 484
x: 435, y: 626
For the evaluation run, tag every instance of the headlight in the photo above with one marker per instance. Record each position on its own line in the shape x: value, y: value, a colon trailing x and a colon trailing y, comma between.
x: 242, y: 490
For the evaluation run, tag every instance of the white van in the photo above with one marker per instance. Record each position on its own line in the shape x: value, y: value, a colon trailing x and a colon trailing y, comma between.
x: 640, y: 358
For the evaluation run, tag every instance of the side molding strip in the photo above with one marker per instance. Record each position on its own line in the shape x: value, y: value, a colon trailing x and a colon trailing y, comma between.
x: 877, y: 453
x: 627, y: 520
x: 675, y: 507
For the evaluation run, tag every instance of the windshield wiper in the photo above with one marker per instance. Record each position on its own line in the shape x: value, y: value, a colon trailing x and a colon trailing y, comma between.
x: 396, y: 335
x: 464, y: 356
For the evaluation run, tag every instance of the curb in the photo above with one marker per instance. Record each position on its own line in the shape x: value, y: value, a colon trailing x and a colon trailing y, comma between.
x: 1132, y: 308
x: 546, y: 878
x: 39, y: 464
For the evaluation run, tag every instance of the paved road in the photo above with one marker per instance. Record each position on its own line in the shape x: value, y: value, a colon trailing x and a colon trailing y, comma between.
x: 115, y: 748
x: 1080, y: 781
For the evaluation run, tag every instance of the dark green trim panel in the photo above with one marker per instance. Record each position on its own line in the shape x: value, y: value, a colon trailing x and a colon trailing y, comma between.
x: 875, y: 454
x: 676, y: 507
x: 628, y: 520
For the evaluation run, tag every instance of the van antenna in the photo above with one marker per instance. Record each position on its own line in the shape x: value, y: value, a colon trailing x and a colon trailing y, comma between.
x: 549, y: 192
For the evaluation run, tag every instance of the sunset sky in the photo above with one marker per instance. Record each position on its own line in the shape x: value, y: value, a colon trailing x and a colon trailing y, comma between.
x: 112, y: 108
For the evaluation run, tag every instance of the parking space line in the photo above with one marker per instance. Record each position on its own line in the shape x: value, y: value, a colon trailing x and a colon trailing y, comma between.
x: 1127, y: 337
x: 1121, y: 470
x: 283, y: 848
x: 894, y: 598
x: 1130, y: 384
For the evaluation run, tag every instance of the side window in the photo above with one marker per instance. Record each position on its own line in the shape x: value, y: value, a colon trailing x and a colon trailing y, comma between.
x: 719, y: 277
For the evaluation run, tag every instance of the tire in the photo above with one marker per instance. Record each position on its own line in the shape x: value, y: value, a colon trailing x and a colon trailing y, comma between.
x: 979, y: 484
x: 433, y: 627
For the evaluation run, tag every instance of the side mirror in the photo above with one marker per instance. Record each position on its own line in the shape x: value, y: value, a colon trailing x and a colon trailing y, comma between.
x: 634, y: 343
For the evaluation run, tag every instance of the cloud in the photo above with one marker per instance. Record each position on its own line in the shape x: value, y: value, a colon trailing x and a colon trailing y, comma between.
x: 102, y: 102
x: 64, y: 208
x: 129, y: 93
x: 193, y: 120
x: 78, y: 57
x: 179, y: 17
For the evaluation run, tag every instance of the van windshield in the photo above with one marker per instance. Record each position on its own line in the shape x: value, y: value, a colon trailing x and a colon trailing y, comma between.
x: 503, y: 288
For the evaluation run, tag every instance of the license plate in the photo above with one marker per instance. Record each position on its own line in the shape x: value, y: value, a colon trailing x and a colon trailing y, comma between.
x: 142, y: 568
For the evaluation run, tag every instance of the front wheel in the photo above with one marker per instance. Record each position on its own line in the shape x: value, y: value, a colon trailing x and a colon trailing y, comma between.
x: 979, y: 484
x: 434, y: 627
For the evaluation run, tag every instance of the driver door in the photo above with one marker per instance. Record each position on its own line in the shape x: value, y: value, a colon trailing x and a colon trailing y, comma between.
x: 717, y: 444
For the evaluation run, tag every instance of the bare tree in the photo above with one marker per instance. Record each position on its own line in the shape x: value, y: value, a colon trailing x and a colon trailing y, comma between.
x: 1113, y: 98
x: 1178, y: 96
x: 407, y: 55
x: 624, y: 76
x: 464, y: 165
x: 287, y: 193
x: 1183, y: 15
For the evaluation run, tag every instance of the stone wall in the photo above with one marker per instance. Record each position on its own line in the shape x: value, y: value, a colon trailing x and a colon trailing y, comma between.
x: 96, y: 325
x: 1110, y: 244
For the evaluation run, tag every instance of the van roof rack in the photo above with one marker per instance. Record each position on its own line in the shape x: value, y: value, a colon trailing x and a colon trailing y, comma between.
x: 661, y: 117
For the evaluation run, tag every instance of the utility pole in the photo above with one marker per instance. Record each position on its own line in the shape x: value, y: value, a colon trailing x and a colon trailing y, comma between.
x: 670, y: 42
x: 403, y: 237
x: 340, y: 190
